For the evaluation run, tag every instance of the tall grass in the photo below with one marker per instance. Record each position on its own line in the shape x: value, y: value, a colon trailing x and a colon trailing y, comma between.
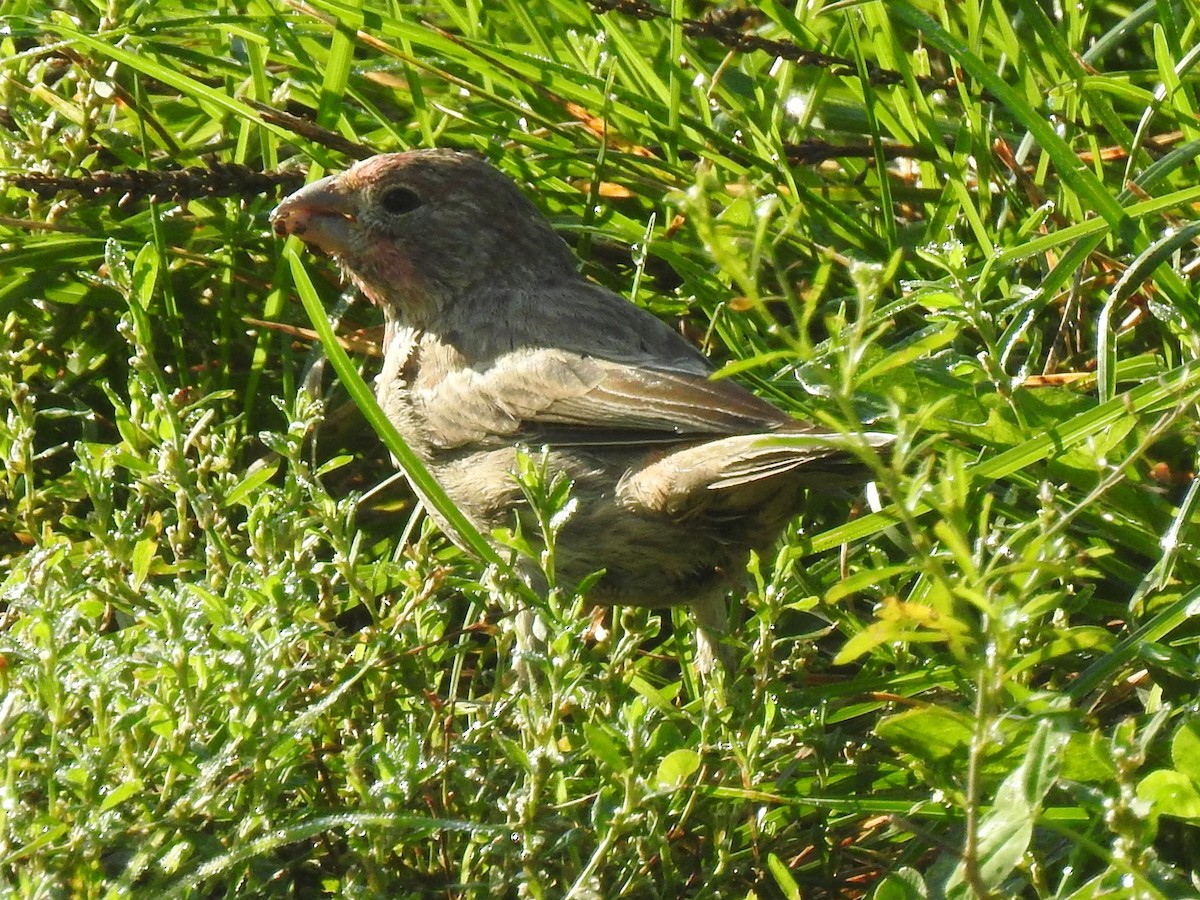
x: 236, y: 660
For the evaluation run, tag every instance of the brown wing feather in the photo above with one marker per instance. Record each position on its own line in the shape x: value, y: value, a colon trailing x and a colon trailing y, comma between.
x: 661, y: 400
x: 596, y: 369
x: 560, y: 397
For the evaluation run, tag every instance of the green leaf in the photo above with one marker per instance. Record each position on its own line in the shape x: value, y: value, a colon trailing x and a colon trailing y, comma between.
x: 144, y: 552
x: 1006, y: 830
x: 604, y: 747
x: 783, y: 878
x: 259, y: 473
x: 932, y: 734
x: 676, y: 768
x: 121, y: 793
x: 1170, y: 793
x: 145, y: 275
x: 1185, y: 749
x: 904, y: 884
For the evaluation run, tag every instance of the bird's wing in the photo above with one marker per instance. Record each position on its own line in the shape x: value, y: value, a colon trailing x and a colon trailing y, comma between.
x: 574, y: 363
x: 555, y: 396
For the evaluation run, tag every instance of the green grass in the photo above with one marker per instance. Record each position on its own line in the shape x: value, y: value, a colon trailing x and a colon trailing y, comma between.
x: 235, y: 662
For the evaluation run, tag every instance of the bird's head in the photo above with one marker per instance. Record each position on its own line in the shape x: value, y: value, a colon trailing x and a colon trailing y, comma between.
x: 416, y: 230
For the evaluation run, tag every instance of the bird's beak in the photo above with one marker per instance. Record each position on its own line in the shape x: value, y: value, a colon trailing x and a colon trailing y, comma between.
x: 321, y: 214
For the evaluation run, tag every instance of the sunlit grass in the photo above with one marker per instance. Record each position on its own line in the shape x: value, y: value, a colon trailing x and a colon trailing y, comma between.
x: 223, y: 671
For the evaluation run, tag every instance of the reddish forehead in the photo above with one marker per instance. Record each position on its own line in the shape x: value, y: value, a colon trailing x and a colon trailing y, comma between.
x: 377, y: 166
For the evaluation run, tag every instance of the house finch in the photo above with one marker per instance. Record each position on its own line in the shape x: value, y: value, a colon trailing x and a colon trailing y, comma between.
x: 495, y: 341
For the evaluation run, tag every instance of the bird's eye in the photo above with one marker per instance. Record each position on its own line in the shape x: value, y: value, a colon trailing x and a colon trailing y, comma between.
x: 399, y: 200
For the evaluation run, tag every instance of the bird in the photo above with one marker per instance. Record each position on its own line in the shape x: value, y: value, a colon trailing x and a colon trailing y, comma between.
x: 495, y: 344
